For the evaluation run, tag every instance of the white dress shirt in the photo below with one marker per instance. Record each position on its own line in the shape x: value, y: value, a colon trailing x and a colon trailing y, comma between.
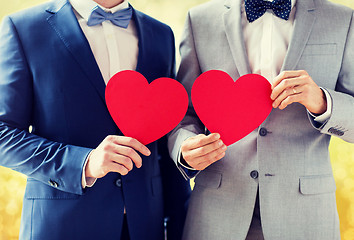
x: 114, y: 48
x: 267, y: 40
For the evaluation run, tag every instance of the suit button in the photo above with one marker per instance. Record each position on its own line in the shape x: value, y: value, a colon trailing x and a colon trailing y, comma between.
x: 53, y: 183
x: 254, y: 174
x: 263, y: 132
x: 119, y: 182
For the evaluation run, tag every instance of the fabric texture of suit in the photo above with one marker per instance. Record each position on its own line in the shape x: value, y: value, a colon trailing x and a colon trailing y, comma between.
x: 50, y: 80
x: 289, y: 150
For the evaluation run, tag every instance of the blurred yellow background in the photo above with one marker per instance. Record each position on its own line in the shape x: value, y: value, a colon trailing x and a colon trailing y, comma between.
x: 173, y: 12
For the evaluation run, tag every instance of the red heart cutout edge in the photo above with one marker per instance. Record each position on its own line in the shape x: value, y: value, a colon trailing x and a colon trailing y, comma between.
x: 232, y: 109
x: 145, y: 111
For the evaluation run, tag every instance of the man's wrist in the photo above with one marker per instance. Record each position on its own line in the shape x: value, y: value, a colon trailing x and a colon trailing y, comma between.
x: 183, y: 163
x: 322, y: 118
x: 87, y: 181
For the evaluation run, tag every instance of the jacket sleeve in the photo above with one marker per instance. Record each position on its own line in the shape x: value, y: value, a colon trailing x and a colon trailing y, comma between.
x: 53, y: 163
x: 341, y: 121
x: 188, y: 71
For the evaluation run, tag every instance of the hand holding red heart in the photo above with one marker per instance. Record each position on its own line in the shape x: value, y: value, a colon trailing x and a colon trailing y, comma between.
x: 115, y: 154
x: 142, y: 110
x: 200, y: 151
x: 231, y: 108
x: 297, y: 86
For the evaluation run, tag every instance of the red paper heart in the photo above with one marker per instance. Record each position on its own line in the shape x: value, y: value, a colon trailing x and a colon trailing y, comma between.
x: 145, y: 111
x: 232, y: 109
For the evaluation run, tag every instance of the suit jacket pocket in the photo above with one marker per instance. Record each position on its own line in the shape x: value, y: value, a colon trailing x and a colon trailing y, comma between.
x: 208, y: 179
x: 38, y: 190
x: 320, y: 49
x: 317, y: 184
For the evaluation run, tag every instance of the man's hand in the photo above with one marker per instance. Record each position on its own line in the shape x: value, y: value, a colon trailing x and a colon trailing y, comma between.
x: 297, y: 86
x: 115, y: 154
x: 201, y: 151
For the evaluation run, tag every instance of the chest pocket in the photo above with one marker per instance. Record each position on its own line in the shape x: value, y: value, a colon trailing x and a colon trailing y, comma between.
x: 320, y: 49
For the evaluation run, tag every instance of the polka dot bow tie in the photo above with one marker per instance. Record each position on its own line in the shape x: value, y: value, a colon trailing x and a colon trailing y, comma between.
x: 256, y: 8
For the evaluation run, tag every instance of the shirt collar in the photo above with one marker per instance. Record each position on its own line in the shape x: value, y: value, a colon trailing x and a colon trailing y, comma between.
x: 85, y: 7
x: 293, y: 2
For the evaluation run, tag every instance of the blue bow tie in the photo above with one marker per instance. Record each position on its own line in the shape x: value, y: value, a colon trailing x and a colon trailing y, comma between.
x: 120, y: 18
x: 256, y: 8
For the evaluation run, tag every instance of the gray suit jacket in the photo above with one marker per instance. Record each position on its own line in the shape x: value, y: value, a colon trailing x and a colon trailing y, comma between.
x: 295, y: 180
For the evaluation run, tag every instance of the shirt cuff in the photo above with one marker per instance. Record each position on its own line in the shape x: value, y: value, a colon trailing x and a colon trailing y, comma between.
x: 183, y: 162
x: 326, y: 115
x: 87, y: 181
x: 187, y: 170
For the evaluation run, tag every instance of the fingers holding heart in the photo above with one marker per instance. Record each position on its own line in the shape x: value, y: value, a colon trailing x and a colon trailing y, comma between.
x: 297, y: 86
x: 288, y: 96
x: 201, y: 151
x: 286, y: 89
x: 115, y: 154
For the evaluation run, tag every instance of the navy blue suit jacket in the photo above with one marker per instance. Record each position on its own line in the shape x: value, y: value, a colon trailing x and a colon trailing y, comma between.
x: 50, y: 81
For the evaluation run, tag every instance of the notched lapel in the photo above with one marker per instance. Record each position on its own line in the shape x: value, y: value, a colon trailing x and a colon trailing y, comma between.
x: 145, y: 36
x: 66, y: 26
x: 141, y: 35
x: 233, y: 29
x: 304, y: 21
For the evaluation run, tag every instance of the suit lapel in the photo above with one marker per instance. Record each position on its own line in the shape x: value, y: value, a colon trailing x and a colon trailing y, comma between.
x: 65, y: 24
x: 304, y: 20
x: 233, y: 29
x: 145, y: 36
